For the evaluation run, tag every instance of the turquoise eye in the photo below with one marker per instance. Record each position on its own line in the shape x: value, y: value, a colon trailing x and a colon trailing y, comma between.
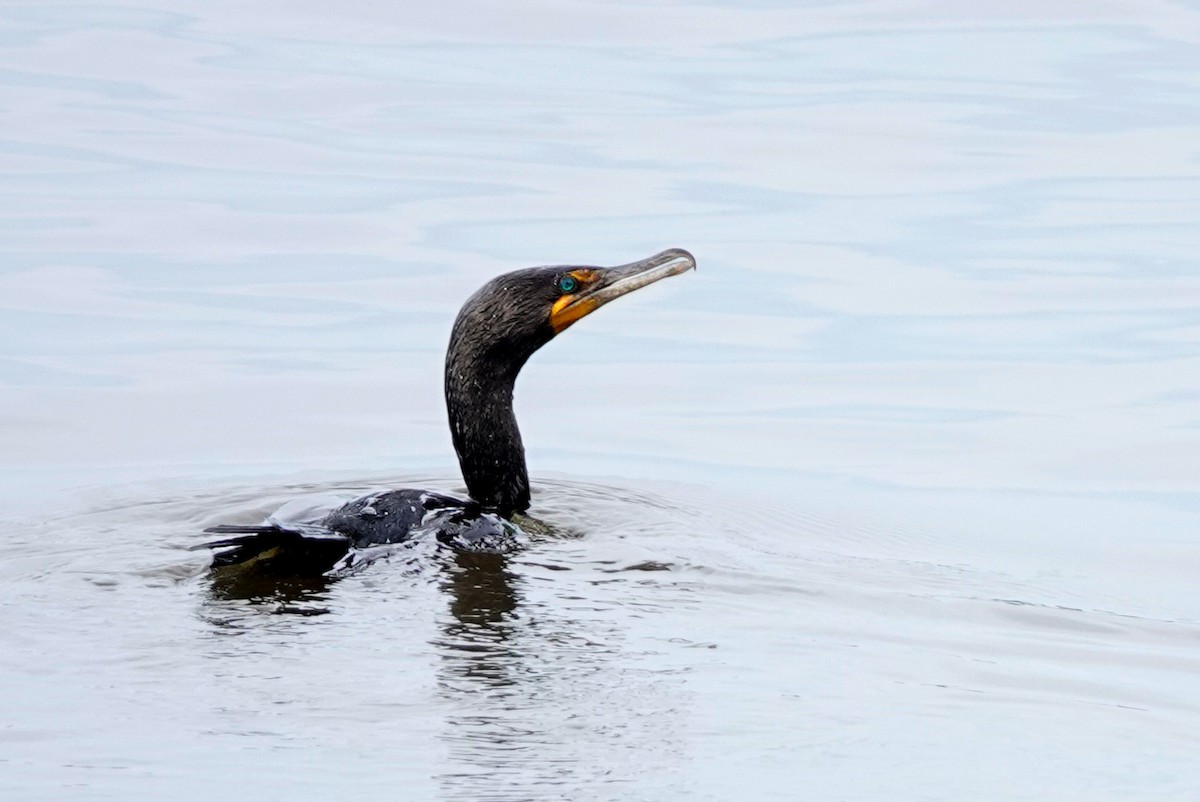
x: 568, y: 284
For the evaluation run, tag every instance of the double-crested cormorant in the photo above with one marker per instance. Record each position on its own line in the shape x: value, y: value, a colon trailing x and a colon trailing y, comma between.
x: 497, y: 330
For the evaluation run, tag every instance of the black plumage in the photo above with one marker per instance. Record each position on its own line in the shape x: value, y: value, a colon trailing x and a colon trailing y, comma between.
x: 499, y: 327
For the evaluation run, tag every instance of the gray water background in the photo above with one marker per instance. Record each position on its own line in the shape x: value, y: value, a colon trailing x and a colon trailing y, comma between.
x: 896, y: 497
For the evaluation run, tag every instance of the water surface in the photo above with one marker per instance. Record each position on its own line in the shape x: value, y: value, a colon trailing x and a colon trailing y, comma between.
x: 895, y: 497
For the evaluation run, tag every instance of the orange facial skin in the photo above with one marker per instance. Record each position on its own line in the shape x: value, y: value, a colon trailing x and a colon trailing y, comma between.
x: 570, y: 308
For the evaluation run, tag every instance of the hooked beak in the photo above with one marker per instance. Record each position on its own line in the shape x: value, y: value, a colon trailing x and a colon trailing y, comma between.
x: 603, y: 284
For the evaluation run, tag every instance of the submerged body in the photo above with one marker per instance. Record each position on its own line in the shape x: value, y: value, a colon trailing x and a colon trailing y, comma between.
x: 378, y: 519
x: 499, y: 327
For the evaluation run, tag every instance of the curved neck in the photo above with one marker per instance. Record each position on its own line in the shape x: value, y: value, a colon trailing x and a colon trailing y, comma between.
x: 479, y: 400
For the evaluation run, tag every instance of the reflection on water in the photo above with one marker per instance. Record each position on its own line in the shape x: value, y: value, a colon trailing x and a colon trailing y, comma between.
x: 481, y: 672
x: 299, y: 595
x: 540, y: 699
x: 482, y: 598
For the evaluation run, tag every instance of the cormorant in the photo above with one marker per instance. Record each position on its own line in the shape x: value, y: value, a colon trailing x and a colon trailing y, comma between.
x: 497, y: 330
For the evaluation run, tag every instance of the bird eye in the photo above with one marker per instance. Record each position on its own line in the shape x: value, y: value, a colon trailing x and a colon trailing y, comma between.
x: 568, y: 284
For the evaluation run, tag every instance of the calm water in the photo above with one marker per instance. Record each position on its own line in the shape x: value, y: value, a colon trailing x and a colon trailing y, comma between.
x: 896, y: 497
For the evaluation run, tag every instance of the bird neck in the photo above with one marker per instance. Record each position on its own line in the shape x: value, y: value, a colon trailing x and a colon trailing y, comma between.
x: 483, y: 426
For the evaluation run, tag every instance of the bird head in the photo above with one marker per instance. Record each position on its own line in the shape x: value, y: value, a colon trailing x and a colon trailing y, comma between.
x: 515, y: 314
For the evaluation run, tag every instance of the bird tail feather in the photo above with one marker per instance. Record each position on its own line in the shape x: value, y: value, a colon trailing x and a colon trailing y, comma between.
x: 272, y: 548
